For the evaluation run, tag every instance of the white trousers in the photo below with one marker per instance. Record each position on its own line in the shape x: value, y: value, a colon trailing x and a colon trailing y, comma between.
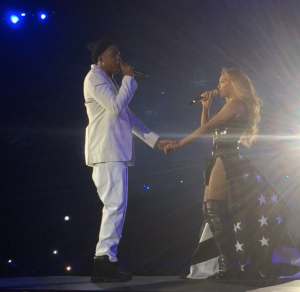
x: 111, y: 180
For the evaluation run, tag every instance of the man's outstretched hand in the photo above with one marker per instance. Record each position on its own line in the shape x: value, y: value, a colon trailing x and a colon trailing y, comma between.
x: 160, y: 144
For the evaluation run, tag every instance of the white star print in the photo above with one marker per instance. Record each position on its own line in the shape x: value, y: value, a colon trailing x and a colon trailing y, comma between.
x: 242, y: 267
x: 274, y: 198
x: 278, y: 218
x: 263, y: 221
x: 239, y: 246
x: 264, y: 241
x: 240, y: 156
x: 258, y: 177
x: 237, y: 226
x: 245, y: 176
x: 262, y: 199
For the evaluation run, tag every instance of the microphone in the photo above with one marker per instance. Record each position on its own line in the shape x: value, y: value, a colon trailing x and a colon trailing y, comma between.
x: 141, y: 74
x: 199, y: 99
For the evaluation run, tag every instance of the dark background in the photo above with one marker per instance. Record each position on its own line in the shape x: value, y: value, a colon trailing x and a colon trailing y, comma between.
x: 43, y: 120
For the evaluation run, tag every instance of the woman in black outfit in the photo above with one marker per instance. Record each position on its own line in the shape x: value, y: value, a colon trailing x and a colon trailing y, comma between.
x: 246, y: 215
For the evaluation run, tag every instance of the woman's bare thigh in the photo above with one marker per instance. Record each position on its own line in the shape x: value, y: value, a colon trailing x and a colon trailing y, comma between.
x: 218, y: 185
x: 206, y: 193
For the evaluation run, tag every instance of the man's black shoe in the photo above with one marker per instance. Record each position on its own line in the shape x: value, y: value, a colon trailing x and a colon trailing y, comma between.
x: 106, y: 271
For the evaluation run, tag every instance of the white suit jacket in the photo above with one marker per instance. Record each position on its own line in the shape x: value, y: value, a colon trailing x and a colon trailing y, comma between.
x: 111, y: 123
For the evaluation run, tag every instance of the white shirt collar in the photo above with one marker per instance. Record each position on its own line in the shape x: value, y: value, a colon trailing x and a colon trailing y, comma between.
x: 93, y: 66
x: 99, y: 69
x: 110, y: 79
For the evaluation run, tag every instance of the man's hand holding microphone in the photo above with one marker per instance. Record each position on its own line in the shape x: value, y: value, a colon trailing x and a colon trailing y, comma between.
x: 126, y: 69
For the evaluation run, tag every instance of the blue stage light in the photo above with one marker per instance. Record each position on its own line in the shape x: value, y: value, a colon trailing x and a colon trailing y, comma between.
x: 43, y: 16
x: 14, y: 19
x: 23, y: 14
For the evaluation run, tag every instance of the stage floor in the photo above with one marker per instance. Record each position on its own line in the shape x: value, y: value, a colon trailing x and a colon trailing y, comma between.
x: 146, y: 284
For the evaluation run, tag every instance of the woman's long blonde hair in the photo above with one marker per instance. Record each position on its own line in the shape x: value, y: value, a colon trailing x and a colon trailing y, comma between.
x: 244, y: 90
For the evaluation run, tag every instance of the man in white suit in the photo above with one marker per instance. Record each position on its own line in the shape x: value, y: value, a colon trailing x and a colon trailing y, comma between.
x: 109, y: 149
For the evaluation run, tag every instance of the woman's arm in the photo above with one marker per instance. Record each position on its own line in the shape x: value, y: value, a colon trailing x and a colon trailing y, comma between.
x: 205, y: 115
x: 205, y: 107
x: 231, y: 109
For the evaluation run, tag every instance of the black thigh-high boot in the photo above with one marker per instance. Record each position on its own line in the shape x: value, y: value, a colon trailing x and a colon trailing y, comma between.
x: 218, y: 218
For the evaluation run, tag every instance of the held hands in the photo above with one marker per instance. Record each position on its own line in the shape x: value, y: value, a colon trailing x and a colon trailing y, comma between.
x: 160, y: 144
x: 172, y: 147
x: 167, y: 145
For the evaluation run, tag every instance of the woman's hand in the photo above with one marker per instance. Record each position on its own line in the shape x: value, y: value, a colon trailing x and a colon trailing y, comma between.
x: 172, y: 146
x: 208, y: 95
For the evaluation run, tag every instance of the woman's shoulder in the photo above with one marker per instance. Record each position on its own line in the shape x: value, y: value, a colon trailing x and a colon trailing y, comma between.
x: 235, y: 105
x: 239, y: 107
